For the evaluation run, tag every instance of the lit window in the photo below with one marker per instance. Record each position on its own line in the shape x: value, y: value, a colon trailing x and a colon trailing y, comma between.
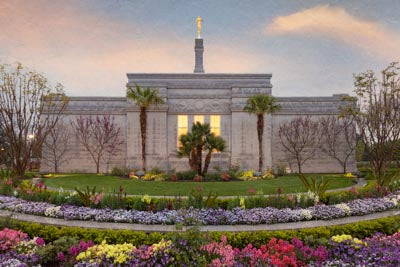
x: 182, y: 126
x: 215, y: 124
x: 198, y: 118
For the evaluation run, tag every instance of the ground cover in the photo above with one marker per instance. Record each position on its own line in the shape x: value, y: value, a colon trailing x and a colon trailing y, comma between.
x: 288, y: 184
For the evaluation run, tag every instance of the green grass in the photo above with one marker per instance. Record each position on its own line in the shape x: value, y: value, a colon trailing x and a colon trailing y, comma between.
x: 289, y: 184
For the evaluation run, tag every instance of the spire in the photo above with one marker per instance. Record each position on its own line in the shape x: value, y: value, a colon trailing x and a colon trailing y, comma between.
x: 198, y: 48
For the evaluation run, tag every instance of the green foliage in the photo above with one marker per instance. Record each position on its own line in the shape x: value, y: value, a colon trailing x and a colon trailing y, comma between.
x: 6, y: 174
x: 120, y: 171
x: 315, y: 184
x: 144, y: 97
x: 197, y: 199
x: 87, y: 196
x: 49, y: 252
x: 261, y: 104
x: 199, y: 140
x: 389, y: 225
x: 186, y: 175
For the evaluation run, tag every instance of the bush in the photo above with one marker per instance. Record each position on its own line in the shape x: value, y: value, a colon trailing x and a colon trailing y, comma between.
x: 120, y: 171
x: 50, y: 233
x: 186, y: 175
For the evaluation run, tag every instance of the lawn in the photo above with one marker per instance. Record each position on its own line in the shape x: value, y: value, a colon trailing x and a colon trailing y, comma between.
x: 289, y: 184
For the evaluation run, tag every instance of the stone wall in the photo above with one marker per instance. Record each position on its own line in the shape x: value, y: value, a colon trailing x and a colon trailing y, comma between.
x: 78, y: 159
x: 316, y: 107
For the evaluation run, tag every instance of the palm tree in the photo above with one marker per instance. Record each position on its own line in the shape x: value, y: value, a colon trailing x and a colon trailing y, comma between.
x: 213, y: 144
x: 259, y: 105
x: 195, y: 142
x: 144, y: 98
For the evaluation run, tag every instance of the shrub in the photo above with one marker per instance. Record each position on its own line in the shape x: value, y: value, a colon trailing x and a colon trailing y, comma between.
x: 186, y: 175
x: 389, y: 225
x: 120, y: 171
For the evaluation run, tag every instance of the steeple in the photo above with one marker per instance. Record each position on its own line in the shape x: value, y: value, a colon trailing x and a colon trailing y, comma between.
x: 198, y: 48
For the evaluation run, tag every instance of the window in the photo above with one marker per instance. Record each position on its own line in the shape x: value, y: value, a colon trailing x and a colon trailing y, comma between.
x: 198, y: 118
x: 182, y: 126
x: 215, y: 124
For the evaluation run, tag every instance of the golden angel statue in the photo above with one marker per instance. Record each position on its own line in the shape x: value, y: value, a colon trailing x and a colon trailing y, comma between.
x: 199, y: 21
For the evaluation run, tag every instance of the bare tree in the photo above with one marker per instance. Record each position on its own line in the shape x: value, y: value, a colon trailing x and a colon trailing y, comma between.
x: 300, y: 139
x: 378, y: 117
x: 339, y: 138
x: 29, y: 108
x: 100, y: 136
x: 56, y: 146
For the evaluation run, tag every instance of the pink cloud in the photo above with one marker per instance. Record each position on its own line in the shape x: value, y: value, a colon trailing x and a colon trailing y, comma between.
x: 335, y: 22
x: 91, y: 54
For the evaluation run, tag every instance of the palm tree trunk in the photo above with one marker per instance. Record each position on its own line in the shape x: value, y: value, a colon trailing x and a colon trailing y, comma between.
x: 143, y: 128
x: 199, y: 152
x: 207, y: 162
x: 260, y: 132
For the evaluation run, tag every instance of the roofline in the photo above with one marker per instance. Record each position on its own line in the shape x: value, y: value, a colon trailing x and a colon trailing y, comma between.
x: 199, y: 75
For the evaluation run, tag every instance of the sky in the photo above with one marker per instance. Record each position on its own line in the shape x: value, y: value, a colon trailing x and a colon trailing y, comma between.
x: 312, y: 48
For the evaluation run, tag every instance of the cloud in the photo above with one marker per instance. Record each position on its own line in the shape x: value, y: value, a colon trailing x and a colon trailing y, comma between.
x: 371, y: 37
x: 91, y: 53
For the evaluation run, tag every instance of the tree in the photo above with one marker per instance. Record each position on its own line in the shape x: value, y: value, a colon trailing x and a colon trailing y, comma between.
x: 300, y: 139
x: 260, y: 105
x: 199, y: 140
x: 100, y: 136
x: 57, y: 145
x: 339, y: 138
x: 4, y: 147
x: 377, y: 116
x: 144, y: 98
x: 213, y: 144
x: 29, y: 109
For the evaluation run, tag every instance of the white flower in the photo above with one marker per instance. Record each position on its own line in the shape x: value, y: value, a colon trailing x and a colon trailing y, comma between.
x: 298, y: 197
x: 15, y: 193
x: 344, y: 207
x: 52, y: 212
x: 306, y: 214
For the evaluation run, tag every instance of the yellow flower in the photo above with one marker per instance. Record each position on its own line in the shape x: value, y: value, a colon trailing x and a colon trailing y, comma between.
x: 242, y: 203
x: 349, y: 175
x: 146, y: 199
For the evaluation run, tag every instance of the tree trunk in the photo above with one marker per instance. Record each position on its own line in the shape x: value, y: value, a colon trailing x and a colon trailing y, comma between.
x: 299, y: 166
x: 207, y: 162
x: 199, y: 151
x: 344, y: 167
x: 97, y: 167
x: 260, y: 132
x: 192, y: 160
x: 143, y: 128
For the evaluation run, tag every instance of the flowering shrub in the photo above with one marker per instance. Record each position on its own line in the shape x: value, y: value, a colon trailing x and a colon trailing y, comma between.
x: 106, y: 254
x: 269, y: 174
x: 10, y: 238
x: 192, y: 249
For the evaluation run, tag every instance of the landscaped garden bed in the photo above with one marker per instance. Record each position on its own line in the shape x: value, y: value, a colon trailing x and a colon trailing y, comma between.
x: 195, y: 249
x: 204, y: 216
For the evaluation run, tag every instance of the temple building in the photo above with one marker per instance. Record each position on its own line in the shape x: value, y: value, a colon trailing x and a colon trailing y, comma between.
x: 215, y: 98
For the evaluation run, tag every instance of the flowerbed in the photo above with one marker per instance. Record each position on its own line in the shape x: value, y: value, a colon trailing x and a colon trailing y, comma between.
x: 194, y: 249
x: 210, y: 216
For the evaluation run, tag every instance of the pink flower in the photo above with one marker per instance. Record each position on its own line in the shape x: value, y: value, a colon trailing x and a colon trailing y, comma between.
x: 10, y: 238
x: 60, y: 256
x: 39, y: 241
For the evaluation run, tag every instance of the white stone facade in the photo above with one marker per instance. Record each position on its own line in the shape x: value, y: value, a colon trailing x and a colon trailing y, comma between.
x: 199, y: 94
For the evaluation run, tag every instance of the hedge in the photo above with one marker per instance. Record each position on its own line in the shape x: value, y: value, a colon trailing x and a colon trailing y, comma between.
x: 362, y: 229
